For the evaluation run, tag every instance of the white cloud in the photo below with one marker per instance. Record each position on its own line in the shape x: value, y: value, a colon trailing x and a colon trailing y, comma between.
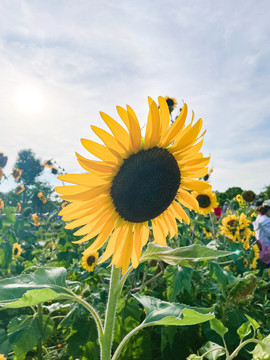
x: 87, y: 56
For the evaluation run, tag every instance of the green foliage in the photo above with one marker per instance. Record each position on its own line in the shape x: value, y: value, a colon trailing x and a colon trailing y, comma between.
x: 31, y: 166
x: 233, y: 191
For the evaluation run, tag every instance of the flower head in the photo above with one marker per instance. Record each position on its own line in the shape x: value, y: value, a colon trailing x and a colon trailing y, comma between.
x: 1, y: 173
x: 16, y: 173
x: 16, y: 250
x: 2, y: 357
x: 207, y: 200
x: 41, y: 197
x: 35, y: 219
x: 171, y: 102
x: 256, y: 255
x: 89, y: 261
x: 48, y: 164
x: 3, y: 160
x: 137, y: 181
x: 19, y: 189
x: 19, y: 208
x: 1, y: 203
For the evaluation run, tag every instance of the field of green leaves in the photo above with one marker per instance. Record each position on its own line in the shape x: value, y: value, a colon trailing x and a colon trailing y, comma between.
x: 205, y: 296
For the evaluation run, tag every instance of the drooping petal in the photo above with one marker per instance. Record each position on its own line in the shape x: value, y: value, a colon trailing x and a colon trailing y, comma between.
x: 135, y: 131
x: 179, y: 212
x: 118, y: 131
x: 187, y: 199
x: 152, y: 133
x: 88, y: 180
x: 99, y: 151
x: 197, y: 185
x: 164, y: 115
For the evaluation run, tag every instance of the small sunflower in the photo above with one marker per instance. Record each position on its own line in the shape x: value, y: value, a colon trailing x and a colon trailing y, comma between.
x: 19, y: 189
x: 207, y: 176
x: 16, y: 173
x: 207, y: 232
x: 137, y: 181
x: 48, y: 164
x: 89, y: 261
x: 1, y: 173
x: 171, y: 102
x: 246, y: 263
x: 16, y: 250
x: 35, y: 219
x: 229, y: 227
x: 19, y: 208
x: 3, y: 160
x: 2, y: 204
x: 41, y: 197
x: 239, y: 199
x: 2, y: 357
x: 256, y: 255
x: 207, y: 200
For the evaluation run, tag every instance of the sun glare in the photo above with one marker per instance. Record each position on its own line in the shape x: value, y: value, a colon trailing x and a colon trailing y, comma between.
x: 29, y: 99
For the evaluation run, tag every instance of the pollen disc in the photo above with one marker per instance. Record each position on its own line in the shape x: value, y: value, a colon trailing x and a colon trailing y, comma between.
x: 203, y: 200
x: 145, y: 185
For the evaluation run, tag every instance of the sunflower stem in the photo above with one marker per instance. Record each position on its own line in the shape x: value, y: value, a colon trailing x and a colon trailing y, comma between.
x: 114, y: 292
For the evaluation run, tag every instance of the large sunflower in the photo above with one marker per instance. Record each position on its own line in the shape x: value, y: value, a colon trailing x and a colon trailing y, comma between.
x: 139, y: 180
x: 207, y: 200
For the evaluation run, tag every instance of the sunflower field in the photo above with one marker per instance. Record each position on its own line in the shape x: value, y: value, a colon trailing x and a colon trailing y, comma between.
x: 137, y: 258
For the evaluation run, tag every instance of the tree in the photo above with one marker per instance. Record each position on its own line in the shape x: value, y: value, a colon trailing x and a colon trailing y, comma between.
x: 233, y: 191
x: 30, y: 165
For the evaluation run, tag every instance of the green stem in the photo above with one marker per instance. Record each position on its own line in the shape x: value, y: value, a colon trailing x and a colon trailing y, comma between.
x: 244, y: 343
x: 213, y: 219
x: 115, y: 290
x: 126, y: 338
x: 39, y: 345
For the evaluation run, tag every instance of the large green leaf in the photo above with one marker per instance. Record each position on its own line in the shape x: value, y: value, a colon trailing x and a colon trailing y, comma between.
x: 178, y: 279
x: 216, y: 350
x: 160, y: 312
x: 4, y: 343
x: 24, y: 332
x: 185, y: 255
x: 44, y: 284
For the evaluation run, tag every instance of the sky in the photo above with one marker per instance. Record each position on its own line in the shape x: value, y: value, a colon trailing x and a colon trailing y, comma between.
x: 61, y: 62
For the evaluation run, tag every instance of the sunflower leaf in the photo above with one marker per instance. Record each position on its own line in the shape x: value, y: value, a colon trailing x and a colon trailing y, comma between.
x: 44, y: 284
x: 160, y: 312
x: 185, y: 255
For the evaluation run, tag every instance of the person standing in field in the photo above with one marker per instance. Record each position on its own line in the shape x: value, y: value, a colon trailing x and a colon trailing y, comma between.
x: 262, y: 231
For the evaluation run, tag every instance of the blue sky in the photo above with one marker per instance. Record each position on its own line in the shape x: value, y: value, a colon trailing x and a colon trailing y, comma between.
x: 81, y: 57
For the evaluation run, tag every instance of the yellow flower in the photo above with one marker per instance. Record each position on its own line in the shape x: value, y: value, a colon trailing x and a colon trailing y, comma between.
x: 254, y: 214
x: 137, y: 181
x: 1, y: 173
x: 246, y: 262
x: 89, y: 261
x: 171, y: 102
x: 207, y: 200
x: 48, y: 164
x: 35, y: 219
x: 1, y: 203
x: 16, y: 173
x: 19, y: 189
x: 229, y: 227
x: 16, y: 250
x: 256, y: 255
x: 239, y: 199
x: 207, y: 232
x: 64, y: 204
x: 2, y: 357
x: 19, y: 208
x: 41, y: 197
x: 3, y: 160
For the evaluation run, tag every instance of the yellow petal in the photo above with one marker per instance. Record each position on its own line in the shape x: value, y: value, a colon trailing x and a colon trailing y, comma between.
x: 159, y: 236
x: 152, y: 133
x: 78, y: 206
x: 176, y: 127
x: 164, y: 115
x: 127, y: 250
x: 135, y: 131
x: 98, y: 150
x: 171, y: 219
x: 188, y: 137
x: 136, y: 250
x: 87, y: 195
x: 111, y: 245
x: 145, y: 234
x: 110, y: 141
x: 88, y: 180
x: 70, y: 190
x: 98, y: 167
x: 187, y: 199
x: 179, y: 212
x: 118, y: 131
x: 197, y: 185
x: 195, y: 174
x: 124, y: 116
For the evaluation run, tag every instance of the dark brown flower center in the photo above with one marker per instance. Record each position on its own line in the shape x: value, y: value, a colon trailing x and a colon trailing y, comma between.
x: 90, y: 260
x: 203, y: 200
x: 16, y: 251
x: 170, y: 102
x: 231, y: 223
x: 145, y: 185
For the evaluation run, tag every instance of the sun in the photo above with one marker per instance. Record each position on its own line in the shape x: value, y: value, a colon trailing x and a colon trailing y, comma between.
x: 29, y: 99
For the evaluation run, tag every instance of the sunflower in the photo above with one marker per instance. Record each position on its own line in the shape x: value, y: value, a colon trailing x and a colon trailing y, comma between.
x: 54, y: 170
x: 16, y: 173
x: 246, y: 262
x: 1, y: 173
x: 2, y: 357
x: 207, y: 176
x: 137, y: 181
x: 16, y: 250
x: 256, y: 255
x: 19, y: 208
x: 35, y: 219
x: 19, y: 189
x: 48, y: 164
x: 207, y: 200
x: 229, y: 227
x: 207, y: 232
x: 3, y: 160
x: 1, y: 203
x: 41, y: 197
x: 239, y: 199
x: 171, y: 102
x: 89, y: 261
